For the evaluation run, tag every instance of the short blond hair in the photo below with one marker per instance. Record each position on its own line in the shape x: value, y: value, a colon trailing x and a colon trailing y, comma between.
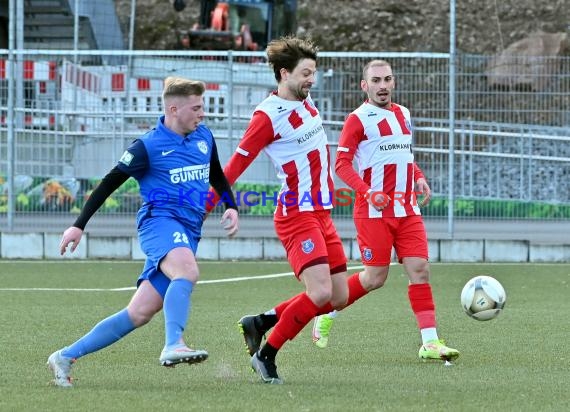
x: 374, y: 63
x: 181, y: 87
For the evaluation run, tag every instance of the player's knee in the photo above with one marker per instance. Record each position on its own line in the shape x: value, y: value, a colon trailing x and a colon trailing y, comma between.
x: 140, y: 319
x: 419, y: 273
x: 141, y: 315
x: 373, y: 279
x: 187, y: 270
x: 376, y: 283
x: 373, y: 283
x: 189, y: 276
x: 320, y: 296
x: 339, y: 302
x: 421, y: 276
x: 182, y: 270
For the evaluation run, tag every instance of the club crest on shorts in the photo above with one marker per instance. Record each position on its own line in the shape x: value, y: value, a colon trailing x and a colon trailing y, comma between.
x: 367, y: 254
x: 307, y: 245
x: 202, y: 146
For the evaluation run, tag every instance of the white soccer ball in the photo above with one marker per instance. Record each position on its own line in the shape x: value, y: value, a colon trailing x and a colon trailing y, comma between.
x: 483, y: 298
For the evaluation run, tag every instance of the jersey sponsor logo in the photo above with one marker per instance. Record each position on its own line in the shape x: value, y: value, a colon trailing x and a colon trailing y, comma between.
x: 310, y: 134
x: 167, y: 152
x: 127, y: 158
x: 307, y: 246
x: 395, y: 146
x: 281, y: 109
x: 367, y: 254
x: 202, y: 146
x: 190, y: 173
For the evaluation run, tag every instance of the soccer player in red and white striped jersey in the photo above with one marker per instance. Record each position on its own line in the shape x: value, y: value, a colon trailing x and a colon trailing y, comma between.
x: 378, y: 134
x: 288, y: 128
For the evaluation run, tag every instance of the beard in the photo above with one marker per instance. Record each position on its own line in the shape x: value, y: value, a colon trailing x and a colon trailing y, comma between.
x: 301, y: 93
x: 380, y: 101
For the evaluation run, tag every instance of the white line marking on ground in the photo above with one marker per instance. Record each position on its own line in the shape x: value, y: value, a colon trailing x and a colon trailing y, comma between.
x: 131, y: 288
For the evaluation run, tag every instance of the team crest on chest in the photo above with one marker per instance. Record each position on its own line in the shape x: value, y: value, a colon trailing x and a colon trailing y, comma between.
x: 408, y: 124
x: 307, y: 246
x: 367, y: 254
x: 202, y: 146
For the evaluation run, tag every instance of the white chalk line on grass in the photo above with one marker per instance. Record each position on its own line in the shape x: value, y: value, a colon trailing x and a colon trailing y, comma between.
x: 131, y: 288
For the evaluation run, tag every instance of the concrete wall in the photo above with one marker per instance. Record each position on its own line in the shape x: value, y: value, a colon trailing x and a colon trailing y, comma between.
x: 46, y: 246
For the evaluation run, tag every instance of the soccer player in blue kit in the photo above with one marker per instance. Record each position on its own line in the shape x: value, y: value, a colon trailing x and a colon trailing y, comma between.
x: 175, y: 163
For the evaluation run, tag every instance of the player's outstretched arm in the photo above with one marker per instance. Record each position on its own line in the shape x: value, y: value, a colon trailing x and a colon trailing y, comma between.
x: 258, y: 135
x: 108, y: 185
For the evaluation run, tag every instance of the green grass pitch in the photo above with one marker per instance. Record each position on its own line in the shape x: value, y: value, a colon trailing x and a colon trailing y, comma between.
x: 518, y: 361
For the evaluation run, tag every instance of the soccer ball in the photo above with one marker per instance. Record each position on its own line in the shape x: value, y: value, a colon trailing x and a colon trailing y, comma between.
x: 483, y: 298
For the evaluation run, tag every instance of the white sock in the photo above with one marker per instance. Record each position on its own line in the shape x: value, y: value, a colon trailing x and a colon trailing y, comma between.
x: 428, y: 334
x: 333, y: 314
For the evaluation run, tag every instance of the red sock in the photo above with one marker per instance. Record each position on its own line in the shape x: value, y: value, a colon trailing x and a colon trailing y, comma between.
x: 327, y: 308
x: 355, y: 289
x: 293, y: 319
x: 283, y: 305
x: 421, y: 300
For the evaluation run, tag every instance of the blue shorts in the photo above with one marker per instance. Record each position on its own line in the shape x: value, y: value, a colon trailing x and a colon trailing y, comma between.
x: 157, y: 237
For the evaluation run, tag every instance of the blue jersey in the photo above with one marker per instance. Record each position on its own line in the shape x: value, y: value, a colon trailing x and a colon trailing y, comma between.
x: 172, y: 171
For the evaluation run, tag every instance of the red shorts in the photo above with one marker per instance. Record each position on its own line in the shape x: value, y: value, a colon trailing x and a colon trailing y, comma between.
x: 310, y: 238
x: 377, y: 236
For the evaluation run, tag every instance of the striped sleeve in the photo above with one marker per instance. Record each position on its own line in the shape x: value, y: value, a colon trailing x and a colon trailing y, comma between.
x: 352, y: 134
x: 418, y: 174
x: 258, y: 135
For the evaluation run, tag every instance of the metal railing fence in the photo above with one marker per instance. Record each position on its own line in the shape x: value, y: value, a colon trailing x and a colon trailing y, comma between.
x: 66, y: 117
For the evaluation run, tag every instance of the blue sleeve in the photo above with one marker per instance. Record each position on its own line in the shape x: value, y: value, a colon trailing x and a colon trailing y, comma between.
x: 134, y: 161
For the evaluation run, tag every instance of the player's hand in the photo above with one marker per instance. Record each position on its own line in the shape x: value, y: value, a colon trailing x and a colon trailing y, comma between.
x: 230, y: 222
x: 71, y: 235
x: 378, y: 200
x: 422, y: 188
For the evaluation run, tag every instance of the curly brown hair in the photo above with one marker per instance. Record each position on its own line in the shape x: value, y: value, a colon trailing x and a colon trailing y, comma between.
x: 286, y: 52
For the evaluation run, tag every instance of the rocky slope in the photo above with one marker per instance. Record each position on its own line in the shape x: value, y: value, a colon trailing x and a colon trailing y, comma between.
x: 482, y: 26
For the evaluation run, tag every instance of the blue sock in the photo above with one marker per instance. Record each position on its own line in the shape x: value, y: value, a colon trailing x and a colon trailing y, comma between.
x: 106, y: 332
x: 176, y: 309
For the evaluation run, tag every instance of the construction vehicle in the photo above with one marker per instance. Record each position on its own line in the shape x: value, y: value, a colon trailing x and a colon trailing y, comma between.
x: 241, y: 24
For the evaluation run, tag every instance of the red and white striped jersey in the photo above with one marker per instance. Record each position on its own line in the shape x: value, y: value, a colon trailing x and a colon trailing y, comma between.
x: 381, y: 141
x: 291, y: 133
